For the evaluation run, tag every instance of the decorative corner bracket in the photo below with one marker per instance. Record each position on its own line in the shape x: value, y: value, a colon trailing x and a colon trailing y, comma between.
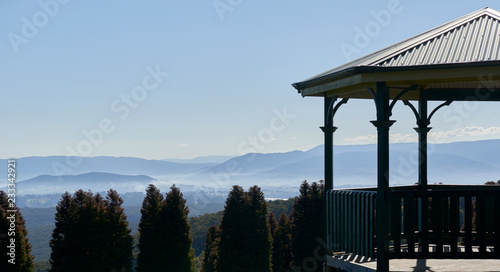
x: 333, y: 110
x: 396, y: 99
x: 424, y: 121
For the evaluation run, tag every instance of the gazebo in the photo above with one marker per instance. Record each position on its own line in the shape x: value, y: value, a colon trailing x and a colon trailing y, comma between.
x: 457, y: 61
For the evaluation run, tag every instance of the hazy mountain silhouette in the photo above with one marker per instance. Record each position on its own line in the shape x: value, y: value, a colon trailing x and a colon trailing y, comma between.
x: 354, y: 166
x: 94, y: 181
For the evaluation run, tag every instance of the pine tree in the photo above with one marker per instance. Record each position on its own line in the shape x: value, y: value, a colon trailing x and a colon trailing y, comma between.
x: 150, y: 248
x: 258, y: 231
x: 282, y: 255
x: 245, y: 240
x: 95, y: 220
x: 299, y: 226
x: 211, y: 247
x: 273, y: 224
x: 78, y: 240
x: 233, y: 225
x: 59, y: 242
x: 178, y: 253
x: 91, y: 234
x: 119, y: 240
x: 12, y: 226
x: 84, y: 236
x: 307, y: 224
x: 273, y: 227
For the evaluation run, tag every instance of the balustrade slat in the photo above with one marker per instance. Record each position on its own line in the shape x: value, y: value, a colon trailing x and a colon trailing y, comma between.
x: 358, y: 223
x: 468, y: 223
x: 363, y: 224
x: 481, y: 222
x: 409, y: 222
x: 424, y: 223
x: 395, y: 217
x: 372, y: 224
x: 438, y: 224
x: 496, y: 225
x: 454, y: 217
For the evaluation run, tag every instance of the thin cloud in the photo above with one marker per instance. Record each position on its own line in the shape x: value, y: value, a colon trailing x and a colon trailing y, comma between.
x: 447, y: 135
x: 183, y: 145
x: 466, y: 131
x: 367, y: 139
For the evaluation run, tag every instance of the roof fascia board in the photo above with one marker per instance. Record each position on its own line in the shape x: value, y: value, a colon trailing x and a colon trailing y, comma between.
x: 403, y: 76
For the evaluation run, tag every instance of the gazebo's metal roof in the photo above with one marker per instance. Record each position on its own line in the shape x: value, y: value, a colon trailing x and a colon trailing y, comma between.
x: 457, y: 55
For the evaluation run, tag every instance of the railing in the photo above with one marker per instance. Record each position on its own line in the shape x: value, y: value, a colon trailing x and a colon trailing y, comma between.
x: 454, y: 222
x: 443, y: 222
x: 351, y: 221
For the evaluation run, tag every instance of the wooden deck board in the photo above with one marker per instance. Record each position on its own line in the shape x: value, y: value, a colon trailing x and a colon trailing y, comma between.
x: 354, y: 263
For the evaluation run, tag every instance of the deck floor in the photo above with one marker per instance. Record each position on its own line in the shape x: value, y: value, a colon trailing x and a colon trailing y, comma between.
x: 354, y: 263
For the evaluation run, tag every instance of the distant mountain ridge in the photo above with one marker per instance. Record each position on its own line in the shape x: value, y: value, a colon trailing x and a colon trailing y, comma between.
x: 95, y: 181
x: 354, y: 166
x: 30, y: 167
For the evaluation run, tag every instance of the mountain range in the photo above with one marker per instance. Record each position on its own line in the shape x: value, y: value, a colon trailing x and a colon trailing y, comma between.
x: 354, y: 166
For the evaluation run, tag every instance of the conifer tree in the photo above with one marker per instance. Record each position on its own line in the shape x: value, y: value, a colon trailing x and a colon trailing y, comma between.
x: 150, y: 248
x: 12, y: 226
x: 60, y: 242
x: 245, y: 240
x: 89, y: 233
x: 211, y: 247
x: 282, y: 255
x: 69, y: 241
x: 307, y: 224
x: 85, y: 236
x: 232, y: 251
x: 273, y: 224
x: 120, y: 241
x: 178, y: 253
x: 273, y: 227
x: 78, y: 241
x: 258, y: 233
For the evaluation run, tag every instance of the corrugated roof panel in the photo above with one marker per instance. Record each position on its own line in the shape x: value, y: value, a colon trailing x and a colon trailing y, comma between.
x: 438, y: 49
x: 471, y: 38
x: 493, y: 38
x: 455, y: 36
x: 479, y: 52
x: 475, y: 40
x: 495, y: 49
x: 488, y: 39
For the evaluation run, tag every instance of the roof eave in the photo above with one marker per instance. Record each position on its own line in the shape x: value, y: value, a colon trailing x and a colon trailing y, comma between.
x: 343, y: 74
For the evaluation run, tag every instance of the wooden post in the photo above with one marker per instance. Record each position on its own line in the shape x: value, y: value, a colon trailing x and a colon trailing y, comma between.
x: 328, y: 130
x: 382, y: 221
x: 423, y: 203
x: 422, y: 130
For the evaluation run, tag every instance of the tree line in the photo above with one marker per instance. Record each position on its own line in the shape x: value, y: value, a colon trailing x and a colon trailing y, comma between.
x: 248, y: 238
x: 92, y: 234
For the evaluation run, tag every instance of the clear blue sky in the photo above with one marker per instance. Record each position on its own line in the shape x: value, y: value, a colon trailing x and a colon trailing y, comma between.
x: 74, y: 66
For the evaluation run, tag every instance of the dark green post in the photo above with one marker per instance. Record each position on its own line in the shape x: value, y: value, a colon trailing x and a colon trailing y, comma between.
x: 423, y: 203
x: 328, y: 130
x: 382, y: 221
x: 422, y: 130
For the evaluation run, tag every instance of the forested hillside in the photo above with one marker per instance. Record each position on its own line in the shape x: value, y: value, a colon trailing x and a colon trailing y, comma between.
x: 40, y: 224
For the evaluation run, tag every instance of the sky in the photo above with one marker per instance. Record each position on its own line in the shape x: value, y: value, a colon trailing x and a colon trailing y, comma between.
x: 179, y: 79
